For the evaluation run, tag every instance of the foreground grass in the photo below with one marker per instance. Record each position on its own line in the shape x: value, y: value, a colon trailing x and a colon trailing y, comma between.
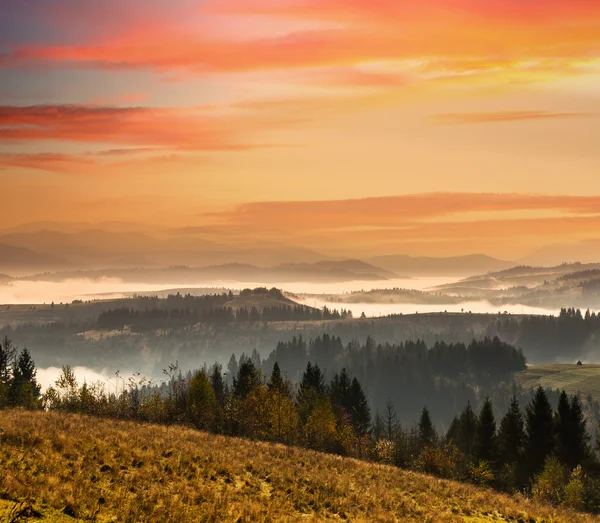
x: 571, y: 378
x: 74, y: 467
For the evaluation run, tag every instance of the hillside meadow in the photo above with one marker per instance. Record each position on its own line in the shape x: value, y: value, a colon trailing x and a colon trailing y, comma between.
x: 64, y: 467
x: 574, y: 379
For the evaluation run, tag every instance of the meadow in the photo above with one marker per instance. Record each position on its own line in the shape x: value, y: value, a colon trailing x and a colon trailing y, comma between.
x: 64, y: 467
x: 584, y: 379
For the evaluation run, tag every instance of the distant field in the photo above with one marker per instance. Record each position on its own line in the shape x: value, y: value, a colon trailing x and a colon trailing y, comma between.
x: 77, y: 468
x: 571, y: 378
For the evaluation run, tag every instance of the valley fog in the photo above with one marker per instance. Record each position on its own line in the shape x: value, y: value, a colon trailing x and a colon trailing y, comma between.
x: 35, y: 292
x: 38, y: 292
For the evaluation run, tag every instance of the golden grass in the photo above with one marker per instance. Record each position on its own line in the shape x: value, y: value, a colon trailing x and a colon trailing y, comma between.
x: 104, y: 470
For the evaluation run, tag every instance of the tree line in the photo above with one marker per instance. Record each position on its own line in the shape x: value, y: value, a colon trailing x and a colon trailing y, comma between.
x: 165, y: 318
x: 546, y: 338
x: 18, y: 383
x: 445, y: 376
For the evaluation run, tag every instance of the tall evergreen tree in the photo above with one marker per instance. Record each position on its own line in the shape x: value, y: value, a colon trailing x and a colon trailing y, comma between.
x: 453, y: 432
x: 276, y: 380
x: 313, y: 378
x: 539, y: 427
x: 427, y: 434
x: 486, y: 443
x: 359, y: 408
x: 248, y: 378
x: 390, y: 420
x: 340, y: 390
x: 232, y: 369
x: 563, y: 433
x: 218, y: 383
x: 579, y: 449
x: 7, y: 357
x: 468, y: 429
x: 511, y: 437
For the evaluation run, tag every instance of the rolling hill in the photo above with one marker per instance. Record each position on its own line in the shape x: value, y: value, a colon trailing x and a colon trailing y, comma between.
x: 69, y: 467
x: 573, y: 379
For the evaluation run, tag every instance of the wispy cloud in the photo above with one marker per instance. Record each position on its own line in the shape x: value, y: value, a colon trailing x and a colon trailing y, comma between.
x: 502, y: 116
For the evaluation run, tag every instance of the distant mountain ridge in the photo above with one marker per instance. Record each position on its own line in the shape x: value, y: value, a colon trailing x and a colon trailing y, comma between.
x: 321, y: 272
x: 21, y: 259
x: 429, y: 266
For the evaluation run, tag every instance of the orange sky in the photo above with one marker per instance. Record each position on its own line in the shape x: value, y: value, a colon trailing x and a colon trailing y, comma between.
x: 464, y: 112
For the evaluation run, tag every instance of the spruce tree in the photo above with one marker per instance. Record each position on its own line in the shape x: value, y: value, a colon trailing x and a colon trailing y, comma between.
x: 248, y: 378
x: 7, y: 356
x: 511, y: 437
x: 24, y: 390
x: 453, y: 432
x: 340, y: 390
x: 390, y: 420
x: 312, y: 378
x: 359, y: 408
x: 486, y: 443
x: 579, y: 449
x: 563, y: 433
x: 539, y: 429
x: 427, y: 434
x: 468, y: 429
x: 276, y: 381
x: 218, y: 384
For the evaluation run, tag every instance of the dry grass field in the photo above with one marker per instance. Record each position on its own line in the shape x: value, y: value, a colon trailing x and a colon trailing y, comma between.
x: 77, y: 468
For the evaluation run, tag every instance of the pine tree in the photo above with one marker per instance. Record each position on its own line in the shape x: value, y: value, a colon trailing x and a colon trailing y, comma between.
x: 486, y: 442
x: 427, y: 434
x: 468, y: 428
x: 562, y: 431
x: 359, y: 408
x: 539, y: 424
x: 276, y: 381
x: 248, y: 378
x: 7, y: 356
x: 511, y: 437
x: 232, y: 369
x: 579, y: 449
x: 340, y: 390
x: 24, y: 390
x: 218, y: 384
x: 453, y: 432
x: 313, y: 379
x: 390, y: 420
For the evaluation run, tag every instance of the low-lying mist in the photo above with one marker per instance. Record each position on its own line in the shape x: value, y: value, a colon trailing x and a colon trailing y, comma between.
x: 37, y: 292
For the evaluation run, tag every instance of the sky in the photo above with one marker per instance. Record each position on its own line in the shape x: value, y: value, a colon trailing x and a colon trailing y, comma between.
x: 390, y: 126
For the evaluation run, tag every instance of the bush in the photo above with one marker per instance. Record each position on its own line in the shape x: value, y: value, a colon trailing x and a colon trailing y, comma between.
x: 481, y: 474
x: 549, y: 485
x: 442, y: 462
x: 575, y: 492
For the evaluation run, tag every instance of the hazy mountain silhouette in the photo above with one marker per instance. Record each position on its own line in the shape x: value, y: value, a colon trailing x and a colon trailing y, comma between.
x: 233, y: 272
x: 100, y: 249
x: 587, y: 251
x: 19, y: 260
x: 430, y: 266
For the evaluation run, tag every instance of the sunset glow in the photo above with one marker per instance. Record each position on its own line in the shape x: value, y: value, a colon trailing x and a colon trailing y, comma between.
x: 351, y: 127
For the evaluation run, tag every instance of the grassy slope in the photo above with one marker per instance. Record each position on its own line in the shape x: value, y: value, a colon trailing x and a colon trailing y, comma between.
x: 573, y: 379
x: 119, y: 471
